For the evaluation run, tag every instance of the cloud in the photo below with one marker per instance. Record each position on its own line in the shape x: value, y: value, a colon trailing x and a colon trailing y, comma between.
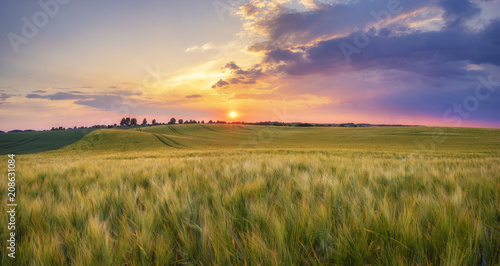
x: 4, y: 97
x: 57, y: 96
x: 457, y: 11
x: 103, y: 102
x: 445, y: 53
x: 106, y: 100
x: 220, y: 83
x: 289, y: 27
x: 71, y: 90
x: 297, y: 42
x: 248, y: 10
x: 409, y: 56
x: 205, y: 47
x: 126, y: 92
x: 239, y: 75
x: 194, y: 96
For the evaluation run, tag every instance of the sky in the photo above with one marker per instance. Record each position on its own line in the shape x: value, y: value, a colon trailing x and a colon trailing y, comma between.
x: 414, y: 62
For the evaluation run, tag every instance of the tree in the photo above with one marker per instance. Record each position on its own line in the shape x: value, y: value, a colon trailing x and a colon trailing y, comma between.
x: 203, y: 121
x: 172, y: 121
x: 154, y: 122
x: 210, y: 122
x: 133, y: 122
x: 181, y: 121
x: 144, y: 122
x: 127, y: 121
x: 122, y: 123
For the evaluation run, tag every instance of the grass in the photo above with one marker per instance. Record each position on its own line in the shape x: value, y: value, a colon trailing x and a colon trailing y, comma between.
x: 224, y: 195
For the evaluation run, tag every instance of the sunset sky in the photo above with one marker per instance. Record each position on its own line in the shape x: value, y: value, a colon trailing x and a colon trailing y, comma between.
x: 81, y: 63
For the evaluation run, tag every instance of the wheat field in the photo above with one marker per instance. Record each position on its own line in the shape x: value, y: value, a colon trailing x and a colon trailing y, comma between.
x: 255, y: 195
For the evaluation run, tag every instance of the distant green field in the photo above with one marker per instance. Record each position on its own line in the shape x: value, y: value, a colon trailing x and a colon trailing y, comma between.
x: 257, y: 195
x: 39, y: 141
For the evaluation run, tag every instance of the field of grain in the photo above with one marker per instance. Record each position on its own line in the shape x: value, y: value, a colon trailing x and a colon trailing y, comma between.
x: 260, y: 195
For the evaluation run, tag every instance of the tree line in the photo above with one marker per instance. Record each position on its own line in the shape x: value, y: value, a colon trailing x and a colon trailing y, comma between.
x: 127, y: 121
x: 133, y: 122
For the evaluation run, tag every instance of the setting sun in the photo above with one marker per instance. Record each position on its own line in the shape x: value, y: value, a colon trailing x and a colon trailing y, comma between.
x: 233, y: 114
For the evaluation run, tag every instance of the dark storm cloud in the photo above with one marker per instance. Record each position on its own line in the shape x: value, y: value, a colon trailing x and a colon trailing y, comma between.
x: 292, y: 46
x: 293, y: 27
x: 335, y: 41
x: 459, y: 10
x: 441, y: 53
x: 445, y: 53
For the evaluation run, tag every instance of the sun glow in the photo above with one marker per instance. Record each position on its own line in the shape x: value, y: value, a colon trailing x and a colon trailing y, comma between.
x: 233, y: 114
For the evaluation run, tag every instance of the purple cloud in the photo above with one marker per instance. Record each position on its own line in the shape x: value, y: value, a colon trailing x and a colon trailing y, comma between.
x: 57, y: 96
x: 333, y: 41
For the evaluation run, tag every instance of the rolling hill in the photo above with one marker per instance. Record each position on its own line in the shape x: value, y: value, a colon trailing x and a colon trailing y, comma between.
x: 39, y: 141
x: 235, y: 136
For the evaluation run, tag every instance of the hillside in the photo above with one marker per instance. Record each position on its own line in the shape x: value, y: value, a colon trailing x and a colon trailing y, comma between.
x: 39, y: 141
x: 209, y: 137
